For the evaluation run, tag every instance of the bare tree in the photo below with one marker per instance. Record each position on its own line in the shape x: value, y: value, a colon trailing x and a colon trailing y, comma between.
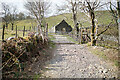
x: 6, y: 13
x: 74, y: 8
x: 113, y: 11
x: 38, y: 9
x: 13, y: 13
x: 118, y: 9
x: 71, y: 6
x: 89, y: 8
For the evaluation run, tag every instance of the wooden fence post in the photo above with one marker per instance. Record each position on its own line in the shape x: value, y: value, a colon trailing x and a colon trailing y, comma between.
x: 72, y: 34
x: 3, y: 32
x: 34, y: 28
x: 80, y: 36
x: 16, y: 31
x: 47, y: 30
x: 29, y: 28
x: 24, y: 31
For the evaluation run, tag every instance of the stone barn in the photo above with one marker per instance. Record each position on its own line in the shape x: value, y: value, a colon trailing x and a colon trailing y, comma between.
x: 63, y: 27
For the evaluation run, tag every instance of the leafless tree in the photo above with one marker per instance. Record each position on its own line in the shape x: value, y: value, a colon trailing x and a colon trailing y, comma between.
x: 13, y: 13
x: 89, y: 7
x: 113, y: 11
x: 6, y: 13
x: 118, y: 9
x: 71, y: 6
x: 38, y: 8
x: 74, y: 8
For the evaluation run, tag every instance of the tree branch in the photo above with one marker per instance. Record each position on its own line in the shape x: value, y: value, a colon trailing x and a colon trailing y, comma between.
x: 103, y: 30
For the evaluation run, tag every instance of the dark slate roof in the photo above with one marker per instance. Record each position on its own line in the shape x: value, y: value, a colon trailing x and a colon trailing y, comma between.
x: 63, y: 24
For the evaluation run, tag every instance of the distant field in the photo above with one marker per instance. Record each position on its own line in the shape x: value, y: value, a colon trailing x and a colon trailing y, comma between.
x: 103, y: 17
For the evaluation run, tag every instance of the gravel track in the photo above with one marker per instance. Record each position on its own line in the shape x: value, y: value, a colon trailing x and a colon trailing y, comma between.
x: 75, y: 61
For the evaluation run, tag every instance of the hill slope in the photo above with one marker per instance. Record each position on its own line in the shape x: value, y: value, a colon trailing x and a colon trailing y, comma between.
x: 103, y: 17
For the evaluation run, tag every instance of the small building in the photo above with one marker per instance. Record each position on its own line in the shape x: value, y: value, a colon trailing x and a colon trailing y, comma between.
x: 63, y: 27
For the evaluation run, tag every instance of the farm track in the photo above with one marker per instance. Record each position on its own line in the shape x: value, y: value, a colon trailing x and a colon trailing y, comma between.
x: 75, y: 61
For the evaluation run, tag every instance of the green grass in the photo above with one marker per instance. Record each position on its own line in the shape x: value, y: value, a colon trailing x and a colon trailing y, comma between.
x: 104, y: 17
x: 21, y: 23
x: 10, y: 33
x: 106, y: 55
x: 36, y: 76
x: 71, y: 39
x: 54, y: 20
x: 51, y: 37
x: 108, y: 44
x: 100, y: 53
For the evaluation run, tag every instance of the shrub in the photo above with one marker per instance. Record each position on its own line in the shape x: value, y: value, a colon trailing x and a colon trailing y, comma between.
x: 19, y: 50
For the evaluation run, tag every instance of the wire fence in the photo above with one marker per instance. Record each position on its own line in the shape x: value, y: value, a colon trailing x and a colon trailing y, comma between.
x: 18, y: 31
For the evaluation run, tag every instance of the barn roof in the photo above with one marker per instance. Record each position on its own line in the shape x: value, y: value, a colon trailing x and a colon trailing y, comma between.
x: 62, y: 23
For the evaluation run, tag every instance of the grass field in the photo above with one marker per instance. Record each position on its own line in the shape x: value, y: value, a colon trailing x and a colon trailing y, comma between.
x: 103, y: 17
x: 9, y: 33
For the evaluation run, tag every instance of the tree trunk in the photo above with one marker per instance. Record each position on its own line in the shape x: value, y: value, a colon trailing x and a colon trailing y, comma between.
x: 96, y: 32
x: 41, y: 33
x: 16, y: 32
x: 74, y: 20
x: 6, y: 25
x: 24, y: 31
x: 3, y: 32
x: 47, y: 30
x: 93, y: 41
x: 12, y: 26
x: 77, y: 29
x: 118, y: 4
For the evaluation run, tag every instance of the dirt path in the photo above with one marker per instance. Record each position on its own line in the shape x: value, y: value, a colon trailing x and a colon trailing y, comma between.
x: 75, y: 61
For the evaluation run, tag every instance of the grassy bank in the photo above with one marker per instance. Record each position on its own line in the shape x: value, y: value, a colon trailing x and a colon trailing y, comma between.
x: 110, y: 55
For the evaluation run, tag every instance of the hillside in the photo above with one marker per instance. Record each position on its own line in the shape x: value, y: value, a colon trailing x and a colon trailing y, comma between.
x: 103, y: 17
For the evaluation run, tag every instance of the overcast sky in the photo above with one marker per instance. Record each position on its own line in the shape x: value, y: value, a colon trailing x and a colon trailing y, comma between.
x: 20, y: 4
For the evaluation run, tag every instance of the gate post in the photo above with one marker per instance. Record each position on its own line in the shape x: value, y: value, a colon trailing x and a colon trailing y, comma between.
x: 24, y: 31
x: 16, y: 32
x: 3, y: 32
x: 79, y: 36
